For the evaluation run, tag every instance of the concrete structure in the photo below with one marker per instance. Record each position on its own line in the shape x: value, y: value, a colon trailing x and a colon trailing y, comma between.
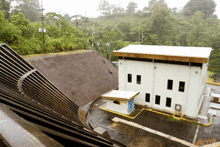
x: 215, y: 97
x: 115, y: 62
x: 120, y: 101
x: 169, y: 78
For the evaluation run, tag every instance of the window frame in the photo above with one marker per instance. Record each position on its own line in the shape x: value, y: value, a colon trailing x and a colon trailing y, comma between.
x: 184, y: 85
x: 147, y: 96
x: 170, y: 102
x: 129, y: 77
x: 138, y: 81
x: 169, y: 87
x: 157, y: 97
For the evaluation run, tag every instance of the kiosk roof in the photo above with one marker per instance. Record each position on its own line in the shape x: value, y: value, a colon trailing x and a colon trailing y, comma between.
x: 120, y: 95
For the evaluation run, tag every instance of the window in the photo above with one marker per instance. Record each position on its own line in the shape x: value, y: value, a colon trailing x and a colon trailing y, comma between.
x: 147, y: 97
x: 181, y: 86
x: 168, y: 102
x: 138, y: 79
x: 116, y: 102
x: 157, y: 100
x: 170, y: 84
x: 129, y: 78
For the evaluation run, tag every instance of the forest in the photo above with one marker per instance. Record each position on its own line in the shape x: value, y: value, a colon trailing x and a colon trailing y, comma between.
x: 116, y: 27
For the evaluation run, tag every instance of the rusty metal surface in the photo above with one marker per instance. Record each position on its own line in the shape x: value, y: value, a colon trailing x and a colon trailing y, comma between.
x: 24, y: 134
x: 34, y: 85
x: 48, y: 120
x: 39, y: 107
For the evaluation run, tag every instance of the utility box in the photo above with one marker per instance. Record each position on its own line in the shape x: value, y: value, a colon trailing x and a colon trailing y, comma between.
x: 120, y: 101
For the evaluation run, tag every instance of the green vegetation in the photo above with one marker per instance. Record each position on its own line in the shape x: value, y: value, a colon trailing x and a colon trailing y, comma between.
x: 210, y: 79
x: 170, y: 118
x: 156, y: 24
x: 57, y: 53
x: 23, y: 34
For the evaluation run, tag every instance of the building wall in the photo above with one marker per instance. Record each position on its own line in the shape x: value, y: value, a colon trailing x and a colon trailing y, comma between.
x: 154, y: 77
x: 203, y: 79
x: 130, y: 106
x: 193, y: 91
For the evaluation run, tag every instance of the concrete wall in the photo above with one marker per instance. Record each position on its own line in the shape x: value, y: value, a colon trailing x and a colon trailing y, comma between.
x: 203, y: 82
x: 154, y: 77
x: 122, y: 108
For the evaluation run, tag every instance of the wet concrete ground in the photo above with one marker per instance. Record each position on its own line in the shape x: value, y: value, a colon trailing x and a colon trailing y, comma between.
x: 215, y: 88
x: 132, y: 136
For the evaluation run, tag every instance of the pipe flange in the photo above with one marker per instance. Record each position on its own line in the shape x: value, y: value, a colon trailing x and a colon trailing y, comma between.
x: 22, y: 79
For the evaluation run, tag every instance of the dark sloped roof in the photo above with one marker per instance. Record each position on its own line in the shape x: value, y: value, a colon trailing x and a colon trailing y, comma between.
x: 83, y: 77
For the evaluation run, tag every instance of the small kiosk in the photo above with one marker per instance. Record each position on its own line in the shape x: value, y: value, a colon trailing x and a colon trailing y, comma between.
x: 119, y: 101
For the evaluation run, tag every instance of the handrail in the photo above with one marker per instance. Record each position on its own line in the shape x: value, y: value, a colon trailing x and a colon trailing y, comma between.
x: 173, y: 115
x: 218, y: 84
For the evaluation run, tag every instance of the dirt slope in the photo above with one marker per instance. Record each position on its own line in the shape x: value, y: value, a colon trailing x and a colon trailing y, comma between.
x: 81, y: 76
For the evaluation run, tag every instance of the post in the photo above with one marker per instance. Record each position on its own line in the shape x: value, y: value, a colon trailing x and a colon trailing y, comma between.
x: 43, y: 36
x: 139, y: 35
x: 77, y: 32
x: 142, y: 36
x: 109, y: 46
x: 86, y: 31
x: 43, y: 26
x: 92, y: 40
x: 110, y: 53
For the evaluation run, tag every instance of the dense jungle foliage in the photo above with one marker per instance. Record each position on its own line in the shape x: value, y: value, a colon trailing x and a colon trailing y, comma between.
x: 116, y: 27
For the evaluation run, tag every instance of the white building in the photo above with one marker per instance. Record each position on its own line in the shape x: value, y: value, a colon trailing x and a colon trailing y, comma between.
x: 167, y: 77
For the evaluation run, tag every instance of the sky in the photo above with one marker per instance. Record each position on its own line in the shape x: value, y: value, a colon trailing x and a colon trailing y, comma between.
x: 89, y: 7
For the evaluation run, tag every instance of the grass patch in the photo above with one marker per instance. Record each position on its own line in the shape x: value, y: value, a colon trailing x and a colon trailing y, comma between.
x: 58, y: 53
x: 209, y: 79
x: 170, y: 118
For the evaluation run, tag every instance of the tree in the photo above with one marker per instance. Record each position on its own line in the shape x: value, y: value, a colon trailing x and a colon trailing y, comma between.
x: 19, y: 20
x: 2, y: 16
x: 109, y: 36
x: 67, y: 17
x: 152, y: 2
x: 30, y: 9
x: 117, y: 9
x: 125, y: 28
x: 131, y: 8
x: 22, y: 23
x: 135, y: 33
x: 5, y: 7
x: 206, y: 6
x: 212, y: 30
x: 104, y: 7
x: 197, y: 36
x: 10, y: 33
x: 215, y: 60
x: 161, y: 23
x: 53, y: 31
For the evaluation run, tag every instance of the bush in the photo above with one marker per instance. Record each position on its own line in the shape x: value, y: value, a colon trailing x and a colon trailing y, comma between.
x: 30, y: 46
x: 10, y: 33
